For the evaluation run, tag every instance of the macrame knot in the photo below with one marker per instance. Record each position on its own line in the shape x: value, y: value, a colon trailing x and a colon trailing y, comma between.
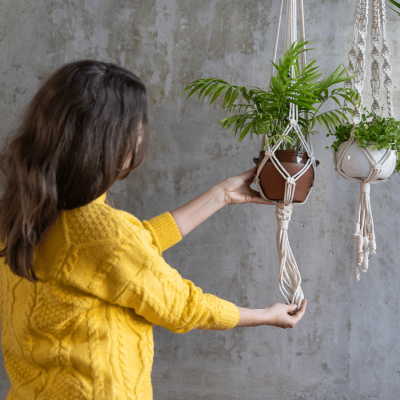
x: 365, y: 187
x: 378, y: 168
x: 269, y: 153
x: 292, y: 122
x: 357, y: 229
x: 283, y: 213
x: 385, y: 52
x: 352, y: 55
x: 283, y: 225
x: 375, y: 53
x: 290, y: 181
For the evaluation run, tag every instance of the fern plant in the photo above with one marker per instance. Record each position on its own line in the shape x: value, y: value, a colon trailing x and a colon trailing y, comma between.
x: 395, y: 3
x: 373, y: 131
x: 266, y: 111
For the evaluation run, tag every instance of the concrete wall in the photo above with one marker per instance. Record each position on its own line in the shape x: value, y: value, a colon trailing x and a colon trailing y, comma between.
x: 347, y: 346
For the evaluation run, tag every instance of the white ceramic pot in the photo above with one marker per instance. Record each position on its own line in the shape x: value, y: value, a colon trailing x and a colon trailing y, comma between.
x: 356, y: 164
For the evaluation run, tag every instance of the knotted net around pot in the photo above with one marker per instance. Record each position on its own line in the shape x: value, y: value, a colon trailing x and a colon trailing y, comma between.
x: 364, y: 228
x: 289, y: 274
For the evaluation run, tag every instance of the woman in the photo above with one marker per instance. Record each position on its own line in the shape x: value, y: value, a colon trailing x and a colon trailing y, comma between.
x: 82, y: 283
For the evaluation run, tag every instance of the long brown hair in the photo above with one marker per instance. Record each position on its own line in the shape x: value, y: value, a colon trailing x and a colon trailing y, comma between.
x: 68, y: 150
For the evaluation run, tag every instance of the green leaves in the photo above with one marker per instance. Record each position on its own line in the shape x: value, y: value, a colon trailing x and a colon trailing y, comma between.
x: 372, y: 130
x: 395, y: 3
x: 266, y: 111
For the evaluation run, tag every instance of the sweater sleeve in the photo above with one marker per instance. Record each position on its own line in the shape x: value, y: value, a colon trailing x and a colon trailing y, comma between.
x: 136, y: 276
x: 164, y: 231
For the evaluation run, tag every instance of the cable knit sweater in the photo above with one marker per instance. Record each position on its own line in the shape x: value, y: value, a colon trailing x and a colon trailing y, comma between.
x: 84, y: 330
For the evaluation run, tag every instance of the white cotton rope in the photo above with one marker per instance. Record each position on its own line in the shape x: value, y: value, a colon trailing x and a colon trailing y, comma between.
x: 364, y: 228
x: 289, y: 274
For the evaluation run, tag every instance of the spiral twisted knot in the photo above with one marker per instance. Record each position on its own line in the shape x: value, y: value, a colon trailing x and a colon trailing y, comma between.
x: 289, y: 276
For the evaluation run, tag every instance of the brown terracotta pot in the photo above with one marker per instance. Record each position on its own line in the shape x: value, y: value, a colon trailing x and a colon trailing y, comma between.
x: 273, y: 183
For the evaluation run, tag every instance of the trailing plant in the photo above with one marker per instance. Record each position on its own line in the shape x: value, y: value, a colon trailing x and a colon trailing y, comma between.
x: 374, y: 131
x: 266, y: 111
x: 395, y: 3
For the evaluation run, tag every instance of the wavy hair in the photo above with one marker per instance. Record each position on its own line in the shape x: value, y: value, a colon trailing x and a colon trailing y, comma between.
x: 74, y: 139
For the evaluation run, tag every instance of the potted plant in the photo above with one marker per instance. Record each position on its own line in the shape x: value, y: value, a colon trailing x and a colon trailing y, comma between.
x: 266, y: 112
x: 374, y: 132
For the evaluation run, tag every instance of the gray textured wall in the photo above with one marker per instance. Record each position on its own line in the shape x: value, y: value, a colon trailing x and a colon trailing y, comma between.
x: 346, y: 347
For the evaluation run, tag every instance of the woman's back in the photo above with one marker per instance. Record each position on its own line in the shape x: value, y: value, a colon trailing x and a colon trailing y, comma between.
x: 62, y: 342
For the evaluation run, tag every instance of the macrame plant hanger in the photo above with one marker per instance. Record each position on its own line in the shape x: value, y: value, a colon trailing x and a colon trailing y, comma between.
x: 364, y: 229
x: 289, y: 274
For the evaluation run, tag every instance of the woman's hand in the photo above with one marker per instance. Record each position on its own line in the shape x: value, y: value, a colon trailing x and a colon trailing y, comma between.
x: 279, y: 315
x: 237, y: 189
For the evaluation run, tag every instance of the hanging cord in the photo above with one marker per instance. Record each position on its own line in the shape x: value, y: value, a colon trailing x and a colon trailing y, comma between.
x: 364, y: 228
x: 278, y: 27
x: 302, y: 33
x: 386, y: 68
x: 375, y: 36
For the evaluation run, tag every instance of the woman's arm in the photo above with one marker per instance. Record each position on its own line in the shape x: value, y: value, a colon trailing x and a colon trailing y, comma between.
x: 235, y: 190
x: 279, y: 315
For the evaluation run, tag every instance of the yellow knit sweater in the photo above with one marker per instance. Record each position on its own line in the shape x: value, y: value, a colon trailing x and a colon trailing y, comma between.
x: 84, y: 331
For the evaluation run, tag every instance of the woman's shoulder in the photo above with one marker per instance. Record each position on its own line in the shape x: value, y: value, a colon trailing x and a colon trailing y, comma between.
x: 98, y: 222
x: 87, y: 236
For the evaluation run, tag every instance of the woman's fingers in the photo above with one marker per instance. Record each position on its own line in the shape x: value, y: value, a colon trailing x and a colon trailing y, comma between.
x: 259, y: 200
x: 292, y: 308
x: 237, y: 189
x: 249, y: 175
x: 256, y: 198
x: 299, y: 314
x: 293, y: 316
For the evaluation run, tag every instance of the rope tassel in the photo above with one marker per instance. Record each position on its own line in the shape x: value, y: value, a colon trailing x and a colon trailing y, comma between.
x: 289, y: 274
x: 364, y: 231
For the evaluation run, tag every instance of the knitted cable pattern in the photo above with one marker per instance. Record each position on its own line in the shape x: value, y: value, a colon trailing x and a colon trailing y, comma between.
x: 86, y: 329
